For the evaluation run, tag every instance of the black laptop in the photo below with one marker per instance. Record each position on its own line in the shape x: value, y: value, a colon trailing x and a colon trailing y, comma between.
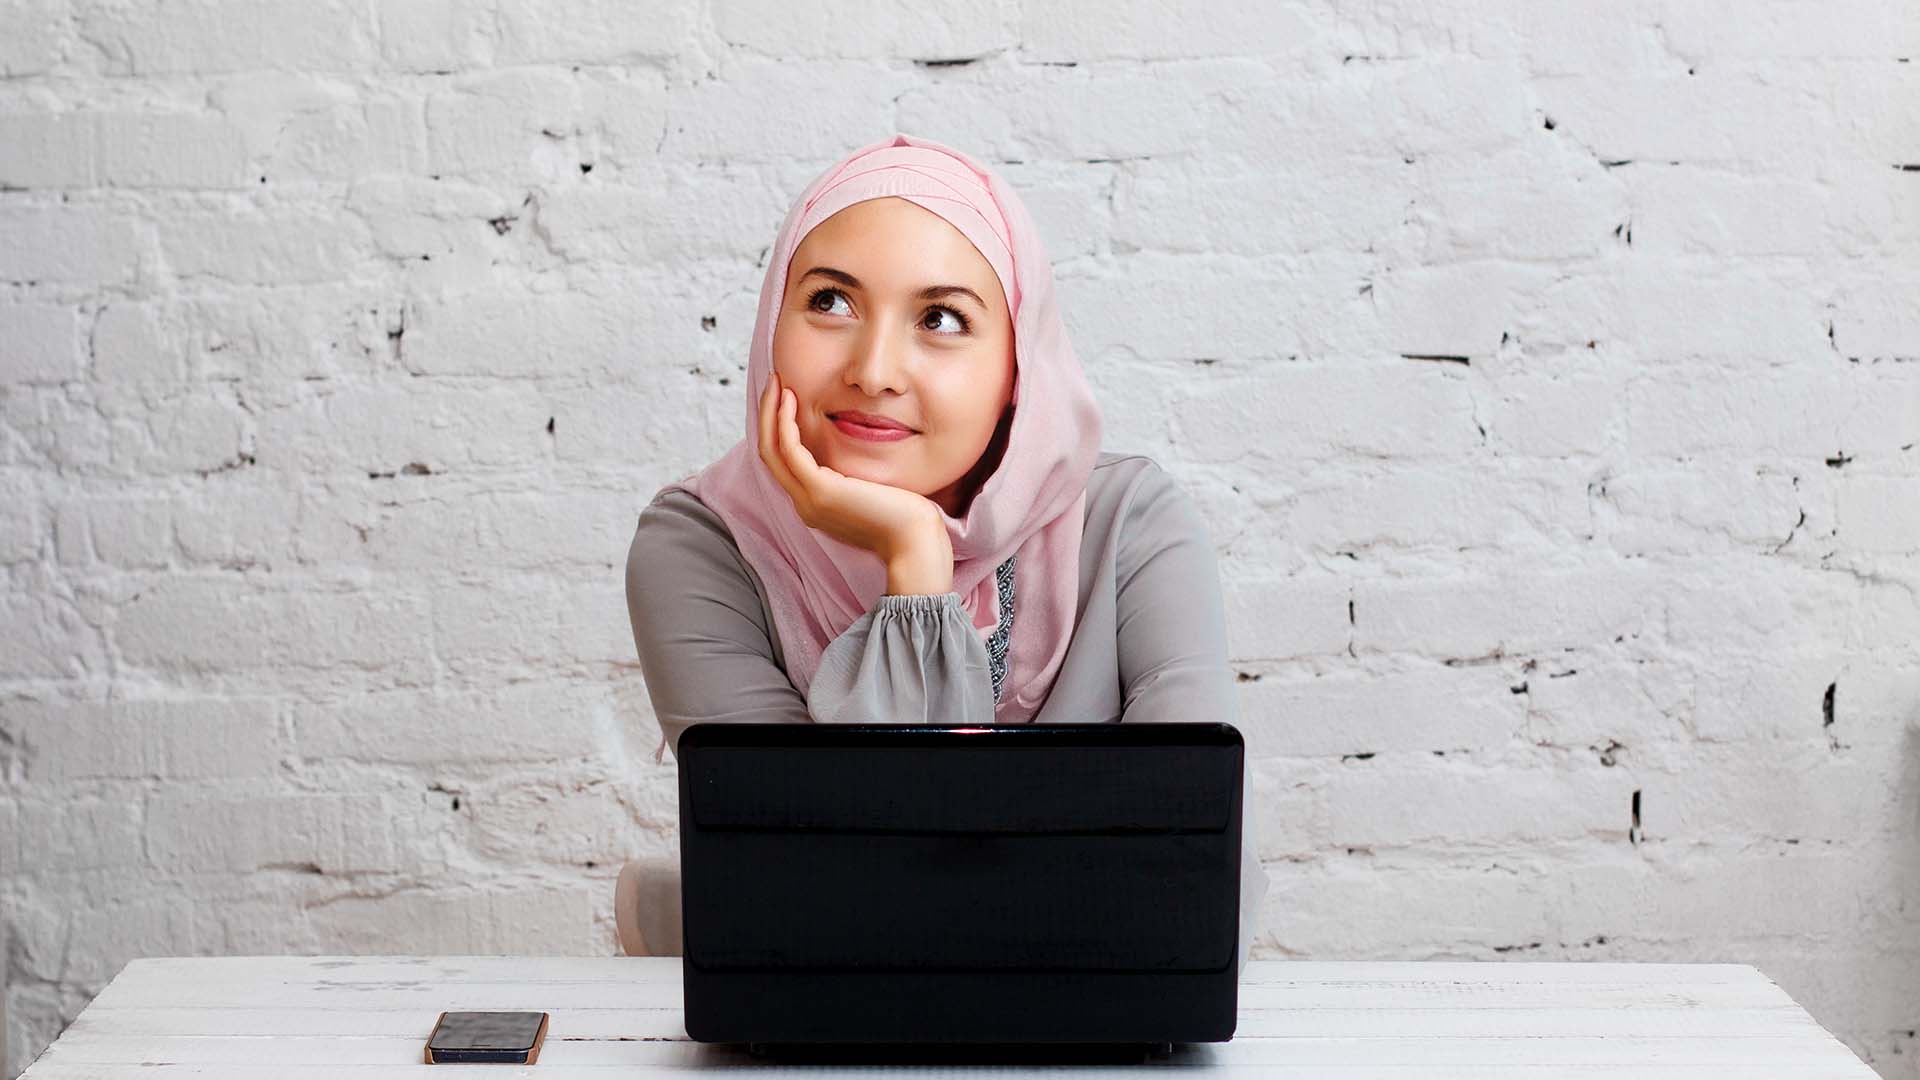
x: 926, y: 884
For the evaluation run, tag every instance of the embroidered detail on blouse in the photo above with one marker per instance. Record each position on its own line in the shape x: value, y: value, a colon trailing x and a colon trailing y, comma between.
x: 997, y: 642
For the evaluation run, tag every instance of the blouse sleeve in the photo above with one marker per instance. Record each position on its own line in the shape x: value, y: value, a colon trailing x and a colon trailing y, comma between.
x: 706, y: 652
x: 910, y: 659
x: 1172, y: 643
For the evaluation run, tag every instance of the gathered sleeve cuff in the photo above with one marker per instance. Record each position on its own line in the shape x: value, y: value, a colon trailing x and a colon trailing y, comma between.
x: 911, y: 659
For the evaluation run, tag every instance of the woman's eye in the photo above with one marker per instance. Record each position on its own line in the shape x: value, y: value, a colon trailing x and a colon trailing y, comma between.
x: 813, y: 301
x: 958, y: 325
x: 959, y: 320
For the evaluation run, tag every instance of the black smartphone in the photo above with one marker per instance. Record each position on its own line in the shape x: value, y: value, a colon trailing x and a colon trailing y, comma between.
x: 505, y: 1037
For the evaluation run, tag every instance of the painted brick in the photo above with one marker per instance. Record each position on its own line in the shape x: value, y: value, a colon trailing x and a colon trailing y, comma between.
x: 1572, y: 344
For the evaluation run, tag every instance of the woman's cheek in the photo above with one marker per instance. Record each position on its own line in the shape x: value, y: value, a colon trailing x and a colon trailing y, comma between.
x: 811, y: 436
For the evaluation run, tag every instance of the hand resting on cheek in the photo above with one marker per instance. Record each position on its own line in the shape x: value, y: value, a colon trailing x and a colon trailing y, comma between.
x: 893, y: 523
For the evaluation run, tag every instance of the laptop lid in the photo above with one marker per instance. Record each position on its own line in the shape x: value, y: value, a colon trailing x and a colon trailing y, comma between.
x: 1090, y: 848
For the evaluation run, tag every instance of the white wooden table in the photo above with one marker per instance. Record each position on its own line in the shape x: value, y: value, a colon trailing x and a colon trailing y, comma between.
x: 367, y: 1018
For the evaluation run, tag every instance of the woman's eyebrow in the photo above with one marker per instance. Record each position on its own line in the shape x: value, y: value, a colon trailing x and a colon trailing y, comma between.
x: 931, y: 292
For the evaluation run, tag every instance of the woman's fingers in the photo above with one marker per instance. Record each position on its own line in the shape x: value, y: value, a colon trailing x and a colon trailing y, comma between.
x: 809, y: 484
x: 769, y: 438
x: 858, y: 512
x: 798, y: 458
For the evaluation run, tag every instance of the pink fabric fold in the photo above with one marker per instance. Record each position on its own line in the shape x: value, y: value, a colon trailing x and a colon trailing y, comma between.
x: 1033, y: 506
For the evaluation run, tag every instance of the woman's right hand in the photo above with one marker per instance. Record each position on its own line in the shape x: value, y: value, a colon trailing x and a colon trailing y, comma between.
x: 898, y: 525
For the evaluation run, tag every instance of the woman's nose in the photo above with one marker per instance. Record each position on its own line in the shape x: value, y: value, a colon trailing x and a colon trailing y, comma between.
x: 878, y: 362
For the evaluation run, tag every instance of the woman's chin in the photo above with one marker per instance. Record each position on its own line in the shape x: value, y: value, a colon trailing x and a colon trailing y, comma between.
x: 866, y: 470
x: 860, y: 470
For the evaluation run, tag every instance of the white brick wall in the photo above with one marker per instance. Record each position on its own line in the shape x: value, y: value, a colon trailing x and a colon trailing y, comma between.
x: 1548, y: 373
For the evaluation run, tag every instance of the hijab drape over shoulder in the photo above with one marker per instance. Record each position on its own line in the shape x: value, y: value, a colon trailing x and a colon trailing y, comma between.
x: 1033, y: 504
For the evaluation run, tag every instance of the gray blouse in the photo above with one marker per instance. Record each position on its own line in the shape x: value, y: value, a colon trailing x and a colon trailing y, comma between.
x: 1150, y: 643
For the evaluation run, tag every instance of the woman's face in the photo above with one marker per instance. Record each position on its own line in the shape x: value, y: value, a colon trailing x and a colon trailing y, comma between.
x: 889, y: 310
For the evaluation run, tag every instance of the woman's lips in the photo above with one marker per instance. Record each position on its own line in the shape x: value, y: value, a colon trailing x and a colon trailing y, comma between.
x: 869, y: 434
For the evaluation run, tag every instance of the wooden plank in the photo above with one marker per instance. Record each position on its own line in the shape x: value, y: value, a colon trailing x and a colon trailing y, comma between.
x: 628, y: 969
x: 654, y: 982
x: 542, y: 1071
x: 1561, y: 972
x: 551, y: 994
x: 612, y: 1023
x: 1782, y: 1051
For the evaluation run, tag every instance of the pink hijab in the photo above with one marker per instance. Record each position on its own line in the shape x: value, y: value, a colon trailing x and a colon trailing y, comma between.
x: 1032, y: 506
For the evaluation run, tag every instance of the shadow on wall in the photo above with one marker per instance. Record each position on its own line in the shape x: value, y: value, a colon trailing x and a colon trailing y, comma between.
x: 1906, y: 828
x: 1906, y: 877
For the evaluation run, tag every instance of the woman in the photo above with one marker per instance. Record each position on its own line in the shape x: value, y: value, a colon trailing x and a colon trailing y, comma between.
x: 919, y: 525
